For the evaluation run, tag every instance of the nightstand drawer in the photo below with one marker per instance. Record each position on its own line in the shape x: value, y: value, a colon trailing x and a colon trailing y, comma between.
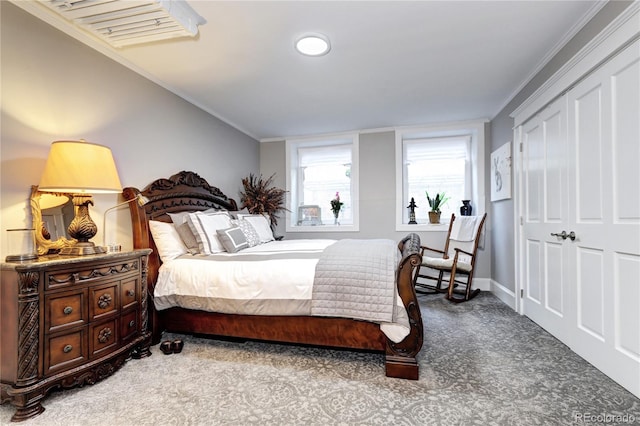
x: 73, y: 276
x: 129, y: 324
x: 65, y: 310
x: 103, y: 301
x: 129, y: 293
x: 65, y: 351
x: 103, y: 338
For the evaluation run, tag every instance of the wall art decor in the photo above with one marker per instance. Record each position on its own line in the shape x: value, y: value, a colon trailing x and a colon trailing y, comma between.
x: 501, y: 173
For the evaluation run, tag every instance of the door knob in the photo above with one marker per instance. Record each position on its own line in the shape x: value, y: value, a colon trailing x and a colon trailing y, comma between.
x: 571, y: 235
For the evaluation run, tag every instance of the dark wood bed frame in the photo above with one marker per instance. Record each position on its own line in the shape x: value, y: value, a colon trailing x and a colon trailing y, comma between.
x: 186, y: 191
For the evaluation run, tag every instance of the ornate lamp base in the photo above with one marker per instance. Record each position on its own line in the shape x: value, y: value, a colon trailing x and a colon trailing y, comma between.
x: 82, y: 249
x: 82, y: 228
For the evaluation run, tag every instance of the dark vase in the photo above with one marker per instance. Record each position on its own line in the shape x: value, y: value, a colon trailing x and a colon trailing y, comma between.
x: 465, y: 208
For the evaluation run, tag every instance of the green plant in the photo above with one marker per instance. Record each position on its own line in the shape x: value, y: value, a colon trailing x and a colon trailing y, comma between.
x: 438, y: 201
x: 260, y: 197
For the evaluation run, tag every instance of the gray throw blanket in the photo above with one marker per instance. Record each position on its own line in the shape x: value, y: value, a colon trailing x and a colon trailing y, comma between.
x: 356, y: 279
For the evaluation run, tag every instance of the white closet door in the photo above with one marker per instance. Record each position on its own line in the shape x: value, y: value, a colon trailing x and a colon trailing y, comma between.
x: 604, y: 213
x: 546, y: 269
x: 581, y: 176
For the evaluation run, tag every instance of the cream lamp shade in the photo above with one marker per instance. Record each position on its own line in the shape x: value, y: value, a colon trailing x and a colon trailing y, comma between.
x: 80, y: 168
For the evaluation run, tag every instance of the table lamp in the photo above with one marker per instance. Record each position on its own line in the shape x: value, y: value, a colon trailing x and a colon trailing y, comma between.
x: 80, y: 168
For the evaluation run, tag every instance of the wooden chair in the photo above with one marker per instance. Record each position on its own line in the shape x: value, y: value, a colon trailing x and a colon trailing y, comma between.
x: 457, y: 258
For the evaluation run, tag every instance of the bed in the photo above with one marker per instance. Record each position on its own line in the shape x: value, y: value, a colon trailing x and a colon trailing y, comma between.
x: 188, y: 192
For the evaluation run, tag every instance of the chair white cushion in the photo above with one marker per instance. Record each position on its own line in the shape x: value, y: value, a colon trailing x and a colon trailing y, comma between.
x: 446, y: 264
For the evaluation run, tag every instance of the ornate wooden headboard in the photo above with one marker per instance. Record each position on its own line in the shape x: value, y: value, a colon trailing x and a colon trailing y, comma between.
x: 184, y: 191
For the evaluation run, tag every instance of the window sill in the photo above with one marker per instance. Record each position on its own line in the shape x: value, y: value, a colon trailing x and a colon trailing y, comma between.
x: 424, y: 227
x: 323, y: 228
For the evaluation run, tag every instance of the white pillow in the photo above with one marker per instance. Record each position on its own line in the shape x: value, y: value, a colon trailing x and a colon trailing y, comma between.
x: 167, y: 239
x: 261, y: 224
x: 205, y: 227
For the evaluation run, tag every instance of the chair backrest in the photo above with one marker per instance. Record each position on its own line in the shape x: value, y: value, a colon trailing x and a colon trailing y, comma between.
x: 464, y: 234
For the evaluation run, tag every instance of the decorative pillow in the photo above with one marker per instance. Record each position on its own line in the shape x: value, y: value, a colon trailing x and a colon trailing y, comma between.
x: 232, y: 239
x: 187, y: 237
x: 261, y: 224
x: 179, y: 218
x: 204, y: 227
x: 168, y: 242
x: 180, y: 222
x: 250, y: 234
x: 234, y: 214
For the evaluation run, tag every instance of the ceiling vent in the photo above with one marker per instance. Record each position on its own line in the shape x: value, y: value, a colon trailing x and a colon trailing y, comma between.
x: 127, y: 22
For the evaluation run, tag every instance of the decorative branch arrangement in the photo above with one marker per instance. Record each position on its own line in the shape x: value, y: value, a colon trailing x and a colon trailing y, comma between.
x: 261, y: 197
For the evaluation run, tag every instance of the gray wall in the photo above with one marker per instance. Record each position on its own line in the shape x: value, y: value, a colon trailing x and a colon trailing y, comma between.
x: 54, y: 87
x: 502, y: 212
x: 377, y: 195
x: 377, y: 172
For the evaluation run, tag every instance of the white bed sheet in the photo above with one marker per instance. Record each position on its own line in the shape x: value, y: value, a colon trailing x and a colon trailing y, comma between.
x: 275, y: 278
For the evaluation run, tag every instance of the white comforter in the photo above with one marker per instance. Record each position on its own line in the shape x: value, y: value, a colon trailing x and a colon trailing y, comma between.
x: 269, y: 279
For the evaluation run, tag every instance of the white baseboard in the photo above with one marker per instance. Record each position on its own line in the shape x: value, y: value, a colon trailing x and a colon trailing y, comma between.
x: 484, y: 284
x: 504, y: 294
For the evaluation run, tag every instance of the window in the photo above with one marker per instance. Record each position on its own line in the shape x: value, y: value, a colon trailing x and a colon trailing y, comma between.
x: 318, y: 169
x: 442, y: 159
x: 436, y: 165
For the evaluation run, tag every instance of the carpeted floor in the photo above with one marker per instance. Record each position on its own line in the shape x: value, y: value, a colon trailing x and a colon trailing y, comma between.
x: 482, y: 364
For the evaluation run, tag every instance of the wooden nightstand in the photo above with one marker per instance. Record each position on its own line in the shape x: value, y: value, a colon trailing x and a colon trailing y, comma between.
x: 68, y: 321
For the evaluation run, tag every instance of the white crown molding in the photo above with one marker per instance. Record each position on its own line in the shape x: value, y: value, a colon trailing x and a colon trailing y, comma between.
x: 622, y: 30
x: 593, y: 10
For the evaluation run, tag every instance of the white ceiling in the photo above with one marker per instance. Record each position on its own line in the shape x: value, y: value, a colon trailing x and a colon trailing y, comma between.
x: 392, y: 63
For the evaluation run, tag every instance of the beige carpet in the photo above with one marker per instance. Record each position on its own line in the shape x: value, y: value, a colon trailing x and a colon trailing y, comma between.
x: 481, y: 364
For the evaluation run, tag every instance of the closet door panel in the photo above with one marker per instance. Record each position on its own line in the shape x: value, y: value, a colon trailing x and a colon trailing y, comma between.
x: 591, y: 289
x: 554, y: 155
x: 627, y: 296
x: 588, y: 130
x: 534, y: 160
x: 625, y: 86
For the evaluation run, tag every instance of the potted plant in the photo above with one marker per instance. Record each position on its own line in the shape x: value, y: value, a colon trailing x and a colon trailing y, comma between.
x: 435, y: 203
x: 259, y: 197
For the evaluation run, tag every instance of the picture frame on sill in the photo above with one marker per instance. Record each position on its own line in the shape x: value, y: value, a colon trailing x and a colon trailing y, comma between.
x: 309, y: 215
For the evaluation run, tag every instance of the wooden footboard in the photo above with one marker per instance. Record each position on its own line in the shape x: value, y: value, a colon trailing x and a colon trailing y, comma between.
x: 401, y: 357
x: 186, y: 191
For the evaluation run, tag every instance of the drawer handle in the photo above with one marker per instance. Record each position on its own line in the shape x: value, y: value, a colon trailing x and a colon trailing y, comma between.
x: 67, y: 310
x: 104, y: 300
x: 131, y: 293
x: 104, y: 335
x: 67, y: 349
x: 132, y: 323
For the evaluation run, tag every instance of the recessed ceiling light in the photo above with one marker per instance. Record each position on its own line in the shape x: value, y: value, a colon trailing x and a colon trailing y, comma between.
x: 313, y: 45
